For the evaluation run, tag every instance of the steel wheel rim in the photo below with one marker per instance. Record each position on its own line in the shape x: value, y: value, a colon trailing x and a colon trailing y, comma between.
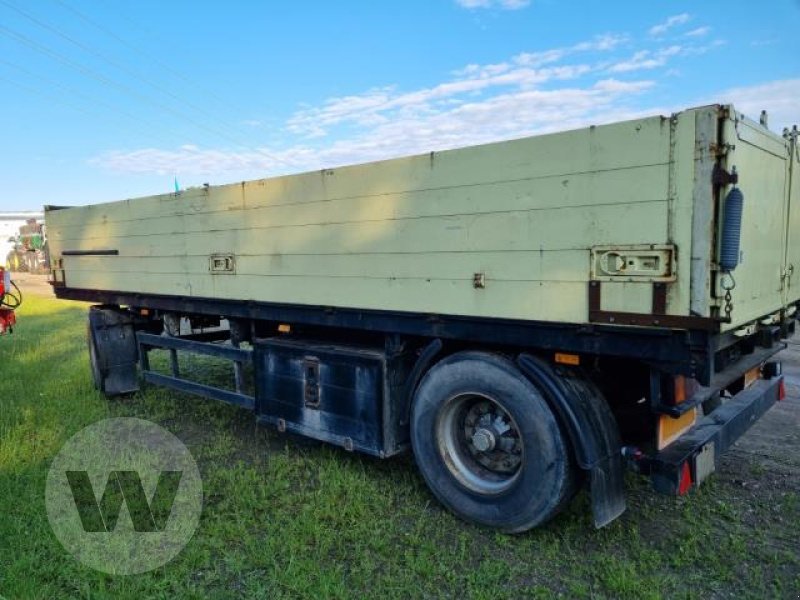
x: 480, y: 443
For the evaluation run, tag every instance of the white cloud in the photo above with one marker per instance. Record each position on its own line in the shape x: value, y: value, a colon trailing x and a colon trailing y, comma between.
x: 640, y: 60
x: 525, y: 70
x: 375, y: 106
x: 508, y: 115
x: 699, y: 32
x: 600, y: 43
x: 766, y: 42
x: 529, y: 93
x: 671, y: 22
x: 503, y: 4
x: 780, y: 98
x: 515, y: 113
x: 645, y: 59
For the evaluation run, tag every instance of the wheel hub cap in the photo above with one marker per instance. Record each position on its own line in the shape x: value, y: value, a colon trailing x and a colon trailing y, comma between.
x: 480, y: 443
x: 483, y: 440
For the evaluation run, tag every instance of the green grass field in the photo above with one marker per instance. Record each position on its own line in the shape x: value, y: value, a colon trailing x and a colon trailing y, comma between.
x: 288, y: 518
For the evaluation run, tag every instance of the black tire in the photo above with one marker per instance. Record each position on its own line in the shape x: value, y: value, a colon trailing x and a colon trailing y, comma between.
x: 518, y: 500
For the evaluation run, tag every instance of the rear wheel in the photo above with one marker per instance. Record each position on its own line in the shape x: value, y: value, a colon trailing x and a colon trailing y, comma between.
x: 488, y: 445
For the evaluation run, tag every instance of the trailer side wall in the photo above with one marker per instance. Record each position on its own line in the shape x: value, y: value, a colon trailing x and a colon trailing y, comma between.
x: 408, y: 234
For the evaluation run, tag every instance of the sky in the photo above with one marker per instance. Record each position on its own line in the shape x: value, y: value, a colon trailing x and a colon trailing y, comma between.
x: 102, y: 101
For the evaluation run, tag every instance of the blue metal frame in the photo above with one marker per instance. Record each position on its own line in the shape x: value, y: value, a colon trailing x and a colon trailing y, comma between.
x: 687, y: 352
x: 721, y: 428
x: 149, y: 341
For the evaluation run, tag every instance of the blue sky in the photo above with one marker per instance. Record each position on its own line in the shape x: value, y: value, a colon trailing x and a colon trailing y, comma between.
x: 109, y: 100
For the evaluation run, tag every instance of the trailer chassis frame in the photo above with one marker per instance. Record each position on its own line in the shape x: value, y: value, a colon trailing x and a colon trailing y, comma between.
x: 680, y: 352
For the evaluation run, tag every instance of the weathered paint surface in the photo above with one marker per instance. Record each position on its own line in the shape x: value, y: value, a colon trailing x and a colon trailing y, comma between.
x: 410, y: 234
x: 792, y: 263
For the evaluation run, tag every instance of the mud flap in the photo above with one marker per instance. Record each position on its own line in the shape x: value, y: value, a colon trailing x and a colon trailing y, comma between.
x: 113, y: 350
x: 607, y: 486
x: 584, y: 413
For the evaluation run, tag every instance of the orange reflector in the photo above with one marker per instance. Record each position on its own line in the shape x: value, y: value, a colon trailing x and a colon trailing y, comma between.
x: 782, y: 390
x: 684, y: 388
x: 144, y: 312
x: 752, y: 376
x: 670, y: 429
x: 284, y: 328
x: 686, y: 479
x: 568, y: 359
x: 680, y: 389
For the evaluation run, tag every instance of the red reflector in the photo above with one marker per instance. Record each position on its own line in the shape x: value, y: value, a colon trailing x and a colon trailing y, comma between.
x: 782, y: 390
x: 686, y: 480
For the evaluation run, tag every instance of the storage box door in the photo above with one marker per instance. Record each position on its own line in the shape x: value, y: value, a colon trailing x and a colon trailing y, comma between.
x: 330, y: 393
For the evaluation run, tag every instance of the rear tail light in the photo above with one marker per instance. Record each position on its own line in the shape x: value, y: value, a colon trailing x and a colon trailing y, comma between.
x: 686, y: 479
x: 782, y: 390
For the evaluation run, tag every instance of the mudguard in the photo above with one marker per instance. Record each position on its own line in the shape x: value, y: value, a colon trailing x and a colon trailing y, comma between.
x: 590, y: 425
x: 112, y: 340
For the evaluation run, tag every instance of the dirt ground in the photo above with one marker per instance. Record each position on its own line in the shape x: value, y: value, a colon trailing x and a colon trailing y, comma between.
x: 32, y: 284
x: 774, y: 440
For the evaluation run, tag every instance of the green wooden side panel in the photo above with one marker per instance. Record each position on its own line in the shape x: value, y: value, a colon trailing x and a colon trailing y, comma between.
x: 761, y: 159
x: 410, y: 234
x: 792, y: 270
x: 406, y: 234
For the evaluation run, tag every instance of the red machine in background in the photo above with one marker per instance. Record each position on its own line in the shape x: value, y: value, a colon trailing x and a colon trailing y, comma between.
x: 9, y: 300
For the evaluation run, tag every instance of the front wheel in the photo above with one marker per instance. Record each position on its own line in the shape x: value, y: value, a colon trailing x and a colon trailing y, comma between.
x: 488, y: 445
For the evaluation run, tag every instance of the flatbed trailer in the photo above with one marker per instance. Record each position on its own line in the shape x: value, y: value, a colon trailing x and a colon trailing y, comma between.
x: 524, y: 315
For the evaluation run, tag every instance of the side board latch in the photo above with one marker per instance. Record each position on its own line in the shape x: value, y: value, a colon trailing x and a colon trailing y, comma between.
x: 222, y: 263
x: 643, y: 263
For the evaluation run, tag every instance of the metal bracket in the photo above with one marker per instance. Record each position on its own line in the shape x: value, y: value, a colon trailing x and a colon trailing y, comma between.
x: 658, y: 318
x: 720, y: 177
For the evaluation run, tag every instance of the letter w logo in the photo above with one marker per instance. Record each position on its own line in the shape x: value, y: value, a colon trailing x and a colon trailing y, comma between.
x: 124, y: 486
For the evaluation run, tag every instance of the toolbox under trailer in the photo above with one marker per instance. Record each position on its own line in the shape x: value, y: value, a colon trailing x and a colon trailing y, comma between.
x: 525, y: 316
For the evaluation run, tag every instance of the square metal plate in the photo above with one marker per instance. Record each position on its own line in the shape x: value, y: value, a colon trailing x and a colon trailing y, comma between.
x: 705, y: 462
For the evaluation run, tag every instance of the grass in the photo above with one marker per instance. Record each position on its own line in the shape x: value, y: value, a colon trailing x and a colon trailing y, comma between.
x: 285, y: 518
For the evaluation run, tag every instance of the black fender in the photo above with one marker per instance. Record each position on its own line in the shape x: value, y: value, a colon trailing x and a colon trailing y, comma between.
x: 585, y: 415
x: 422, y: 364
x: 113, y: 338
